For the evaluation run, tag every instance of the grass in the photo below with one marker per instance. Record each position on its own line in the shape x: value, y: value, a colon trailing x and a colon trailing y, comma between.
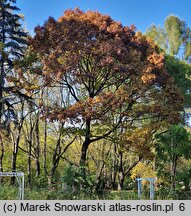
x: 8, y: 192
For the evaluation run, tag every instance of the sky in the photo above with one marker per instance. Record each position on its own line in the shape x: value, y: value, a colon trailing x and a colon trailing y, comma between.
x: 141, y: 13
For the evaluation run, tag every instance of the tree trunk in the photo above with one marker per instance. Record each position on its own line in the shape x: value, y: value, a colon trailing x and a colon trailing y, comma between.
x: 55, y: 161
x: 2, y: 72
x: 120, y: 181
x: 45, y: 146
x: 85, y: 146
x: 51, y: 183
x: 14, y: 166
x: 84, y: 153
x: 114, y: 168
x: 37, y: 153
x: 29, y: 163
x: 1, y: 157
x: 120, y: 172
x: 1, y: 87
x: 173, y: 165
x: 37, y: 162
x: 173, y: 172
x: 15, y: 150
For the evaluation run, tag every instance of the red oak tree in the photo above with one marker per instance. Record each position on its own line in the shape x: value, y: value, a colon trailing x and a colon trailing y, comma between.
x: 106, y: 69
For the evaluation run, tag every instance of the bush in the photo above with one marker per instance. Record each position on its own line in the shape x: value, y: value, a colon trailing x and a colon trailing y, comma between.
x: 76, y: 185
x: 8, y: 192
x: 122, y: 195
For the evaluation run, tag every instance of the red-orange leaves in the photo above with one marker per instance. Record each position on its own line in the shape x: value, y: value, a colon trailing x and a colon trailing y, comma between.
x: 105, y: 68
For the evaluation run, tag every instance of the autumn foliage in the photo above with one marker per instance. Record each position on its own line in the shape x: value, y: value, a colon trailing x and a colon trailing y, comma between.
x: 108, y: 70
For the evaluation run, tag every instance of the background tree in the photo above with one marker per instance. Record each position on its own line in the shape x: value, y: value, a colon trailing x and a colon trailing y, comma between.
x: 180, y: 71
x: 174, y: 38
x: 12, y: 42
x: 171, y: 146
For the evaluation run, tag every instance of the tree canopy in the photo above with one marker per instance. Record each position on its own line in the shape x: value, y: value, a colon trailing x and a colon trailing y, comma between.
x: 107, y: 69
x: 174, y: 37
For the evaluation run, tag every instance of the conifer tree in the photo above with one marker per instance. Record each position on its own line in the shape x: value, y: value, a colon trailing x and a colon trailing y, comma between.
x: 12, y: 43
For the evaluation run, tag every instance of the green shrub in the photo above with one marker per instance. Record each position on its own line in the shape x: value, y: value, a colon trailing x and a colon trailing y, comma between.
x: 8, y: 192
x: 122, y: 195
x: 76, y: 185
